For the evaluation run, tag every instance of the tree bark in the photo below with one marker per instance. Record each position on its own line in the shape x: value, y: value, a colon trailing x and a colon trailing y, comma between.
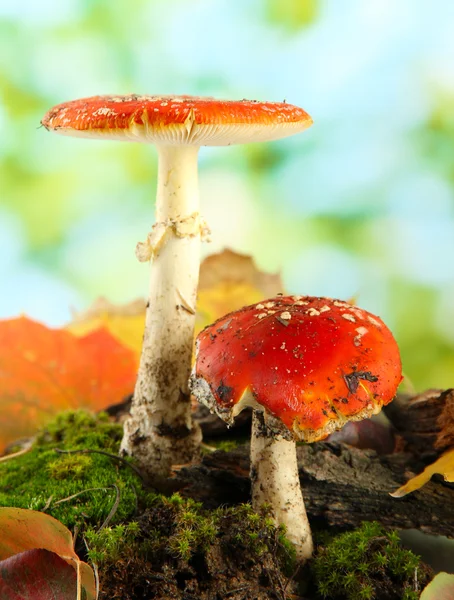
x: 342, y: 486
x: 425, y: 421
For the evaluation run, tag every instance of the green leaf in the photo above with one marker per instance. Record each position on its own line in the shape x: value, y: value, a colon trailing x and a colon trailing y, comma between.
x: 292, y: 14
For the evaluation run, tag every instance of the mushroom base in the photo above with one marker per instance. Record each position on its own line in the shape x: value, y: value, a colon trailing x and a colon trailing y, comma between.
x: 156, y: 446
x: 275, y: 482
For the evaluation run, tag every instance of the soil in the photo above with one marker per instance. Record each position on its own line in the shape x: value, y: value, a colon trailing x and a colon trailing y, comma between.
x: 225, y: 570
x: 343, y: 486
x: 204, y: 543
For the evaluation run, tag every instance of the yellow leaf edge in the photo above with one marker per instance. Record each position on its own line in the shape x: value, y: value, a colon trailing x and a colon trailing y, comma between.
x: 444, y: 465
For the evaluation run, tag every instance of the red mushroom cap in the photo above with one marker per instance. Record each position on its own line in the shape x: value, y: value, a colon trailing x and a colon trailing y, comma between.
x: 312, y: 363
x: 176, y: 119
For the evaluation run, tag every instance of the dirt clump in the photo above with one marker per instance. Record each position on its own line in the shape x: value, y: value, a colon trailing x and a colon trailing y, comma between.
x: 182, y: 552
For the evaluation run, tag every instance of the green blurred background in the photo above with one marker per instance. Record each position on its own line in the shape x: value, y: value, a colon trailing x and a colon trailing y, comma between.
x: 361, y: 205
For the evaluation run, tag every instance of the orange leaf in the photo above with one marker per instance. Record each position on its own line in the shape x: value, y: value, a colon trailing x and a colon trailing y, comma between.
x: 44, y: 371
x: 24, y: 530
x: 125, y: 322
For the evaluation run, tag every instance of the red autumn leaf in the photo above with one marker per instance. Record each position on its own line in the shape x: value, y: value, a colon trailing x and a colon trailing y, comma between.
x: 37, y: 575
x: 23, y: 530
x: 44, y: 371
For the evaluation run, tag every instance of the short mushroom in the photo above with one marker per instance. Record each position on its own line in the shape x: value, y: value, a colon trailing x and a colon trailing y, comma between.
x: 160, y: 431
x: 306, y: 366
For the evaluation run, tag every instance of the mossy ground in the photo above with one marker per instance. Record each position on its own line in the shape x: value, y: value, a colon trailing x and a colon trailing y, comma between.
x: 179, y: 550
x: 154, y: 546
x: 369, y: 564
x: 171, y: 548
x: 44, y: 478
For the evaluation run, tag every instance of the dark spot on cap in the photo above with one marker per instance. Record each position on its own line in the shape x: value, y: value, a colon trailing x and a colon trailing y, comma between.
x: 282, y: 321
x: 343, y: 400
x: 224, y: 393
x: 352, y: 380
x: 224, y: 326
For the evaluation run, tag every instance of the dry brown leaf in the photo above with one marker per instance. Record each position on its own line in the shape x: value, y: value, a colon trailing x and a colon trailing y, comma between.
x: 230, y: 266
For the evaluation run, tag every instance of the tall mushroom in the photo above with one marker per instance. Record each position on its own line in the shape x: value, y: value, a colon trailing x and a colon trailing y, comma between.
x: 306, y: 366
x: 160, y: 431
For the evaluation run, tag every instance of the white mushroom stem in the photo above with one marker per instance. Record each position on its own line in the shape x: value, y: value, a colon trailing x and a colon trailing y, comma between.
x: 160, y: 431
x: 275, y: 482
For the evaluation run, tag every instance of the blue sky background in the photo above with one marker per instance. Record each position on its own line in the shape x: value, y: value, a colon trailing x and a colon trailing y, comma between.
x: 361, y: 204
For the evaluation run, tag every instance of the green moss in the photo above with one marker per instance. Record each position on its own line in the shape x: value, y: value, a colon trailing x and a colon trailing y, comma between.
x: 73, y: 466
x: 177, y: 530
x: 82, y: 429
x: 227, y: 444
x: 79, y: 487
x: 362, y: 564
x: 255, y: 533
x: 111, y: 543
x: 286, y: 552
x: 45, y: 478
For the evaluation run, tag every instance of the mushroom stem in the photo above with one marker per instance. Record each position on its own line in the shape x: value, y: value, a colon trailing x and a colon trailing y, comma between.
x: 160, y: 431
x: 275, y: 482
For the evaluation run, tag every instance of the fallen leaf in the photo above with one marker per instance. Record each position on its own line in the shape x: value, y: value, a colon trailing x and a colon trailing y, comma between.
x: 125, y: 322
x: 443, y: 465
x: 230, y: 266
x: 37, y: 575
x: 222, y: 298
x: 228, y: 281
x: 44, y: 371
x: 24, y: 530
x: 440, y: 588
